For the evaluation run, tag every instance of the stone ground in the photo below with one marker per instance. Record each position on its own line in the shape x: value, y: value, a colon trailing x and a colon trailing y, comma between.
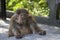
x: 53, y: 32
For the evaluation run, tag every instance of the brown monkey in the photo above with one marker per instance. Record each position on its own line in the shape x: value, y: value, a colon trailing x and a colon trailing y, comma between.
x: 23, y: 23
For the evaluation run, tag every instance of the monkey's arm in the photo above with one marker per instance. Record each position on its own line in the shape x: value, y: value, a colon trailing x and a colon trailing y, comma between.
x: 14, y: 28
x: 10, y: 33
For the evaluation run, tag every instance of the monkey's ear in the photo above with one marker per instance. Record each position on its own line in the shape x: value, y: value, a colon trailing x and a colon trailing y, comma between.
x: 29, y: 17
x: 29, y: 14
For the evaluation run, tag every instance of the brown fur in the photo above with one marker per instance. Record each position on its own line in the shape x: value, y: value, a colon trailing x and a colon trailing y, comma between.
x: 21, y: 23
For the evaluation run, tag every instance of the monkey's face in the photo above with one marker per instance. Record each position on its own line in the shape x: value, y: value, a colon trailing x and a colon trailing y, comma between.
x: 22, y: 17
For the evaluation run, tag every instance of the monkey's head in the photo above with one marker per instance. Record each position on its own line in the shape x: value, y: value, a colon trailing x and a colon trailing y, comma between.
x: 22, y: 15
x: 22, y: 12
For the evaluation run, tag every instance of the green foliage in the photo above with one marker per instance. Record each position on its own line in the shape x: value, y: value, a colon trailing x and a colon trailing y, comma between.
x: 35, y: 7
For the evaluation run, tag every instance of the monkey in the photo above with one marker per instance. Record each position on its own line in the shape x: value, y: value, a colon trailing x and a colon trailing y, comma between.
x: 23, y: 23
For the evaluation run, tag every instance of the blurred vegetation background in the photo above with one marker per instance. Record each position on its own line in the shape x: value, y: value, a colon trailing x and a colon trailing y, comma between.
x: 35, y: 7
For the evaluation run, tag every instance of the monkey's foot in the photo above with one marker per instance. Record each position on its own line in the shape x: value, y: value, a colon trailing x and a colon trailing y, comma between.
x: 42, y: 33
x: 10, y: 35
x: 19, y: 37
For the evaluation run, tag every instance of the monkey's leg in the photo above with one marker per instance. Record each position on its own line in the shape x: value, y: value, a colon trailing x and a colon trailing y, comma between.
x: 38, y: 29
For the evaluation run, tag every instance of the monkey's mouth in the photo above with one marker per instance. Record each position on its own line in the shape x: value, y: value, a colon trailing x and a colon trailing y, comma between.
x: 21, y: 24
